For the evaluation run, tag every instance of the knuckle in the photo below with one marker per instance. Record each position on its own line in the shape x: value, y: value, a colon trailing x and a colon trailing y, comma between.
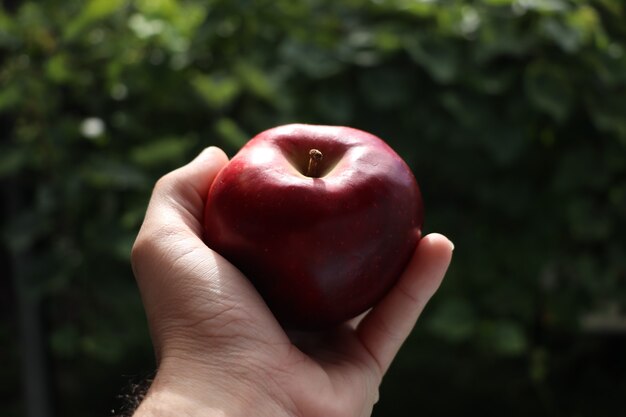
x: 140, y: 250
x: 166, y: 182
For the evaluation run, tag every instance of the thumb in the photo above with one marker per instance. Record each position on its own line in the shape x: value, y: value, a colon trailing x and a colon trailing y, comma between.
x: 179, y: 196
x: 175, y: 210
x: 169, y: 245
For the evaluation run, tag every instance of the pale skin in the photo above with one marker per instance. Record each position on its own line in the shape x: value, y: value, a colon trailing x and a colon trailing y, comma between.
x: 219, y: 349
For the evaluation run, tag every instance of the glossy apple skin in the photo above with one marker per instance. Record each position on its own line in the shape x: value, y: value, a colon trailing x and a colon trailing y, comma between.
x: 319, y: 250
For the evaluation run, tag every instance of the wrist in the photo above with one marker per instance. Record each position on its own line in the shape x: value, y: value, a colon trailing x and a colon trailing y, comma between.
x: 181, y: 388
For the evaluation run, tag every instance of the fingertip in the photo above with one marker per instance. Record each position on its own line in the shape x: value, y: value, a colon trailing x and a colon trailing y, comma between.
x: 203, y: 169
x: 439, y: 239
x: 212, y: 153
x: 429, y: 264
x: 431, y: 259
x: 211, y: 156
x: 196, y: 176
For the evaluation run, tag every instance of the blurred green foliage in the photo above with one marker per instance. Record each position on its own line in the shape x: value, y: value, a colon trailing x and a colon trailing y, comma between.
x: 512, y: 114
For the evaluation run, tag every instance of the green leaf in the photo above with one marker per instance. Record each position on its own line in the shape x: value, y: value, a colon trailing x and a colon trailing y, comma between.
x: 579, y: 28
x: 502, y: 38
x: 6, y: 23
x: 12, y: 160
x: 334, y: 106
x: 564, y: 35
x: 386, y: 87
x: 435, y: 54
x: 504, y: 144
x: 500, y: 2
x: 466, y: 109
x: 185, y: 17
x: 614, y: 7
x: 588, y: 222
x: 608, y: 112
x: 314, y: 61
x: 538, y: 364
x: 387, y: 38
x: 10, y: 96
x: 581, y: 170
x: 91, y: 12
x: 544, y: 6
x: 231, y: 133
x: 503, y: 336
x: 617, y: 197
x: 255, y: 80
x: 110, y: 174
x: 454, y: 320
x: 421, y: 8
x: 58, y: 69
x: 103, y: 347
x: 463, y: 21
x: 610, y: 67
x: 217, y: 90
x: 491, y: 81
x: 121, y: 246
x: 65, y: 341
x: 24, y: 230
x: 162, y: 151
x: 98, y: 9
x: 144, y: 27
x: 585, y: 21
x: 549, y: 90
x: 166, y: 8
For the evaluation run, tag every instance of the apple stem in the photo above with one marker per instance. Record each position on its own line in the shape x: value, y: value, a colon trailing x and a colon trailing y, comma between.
x: 315, y: 157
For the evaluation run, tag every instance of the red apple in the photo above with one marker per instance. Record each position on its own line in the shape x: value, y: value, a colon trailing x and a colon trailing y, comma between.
x: 321, y: 219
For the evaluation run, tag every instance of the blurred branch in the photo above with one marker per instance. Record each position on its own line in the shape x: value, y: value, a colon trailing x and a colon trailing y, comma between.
x: 36, y: 395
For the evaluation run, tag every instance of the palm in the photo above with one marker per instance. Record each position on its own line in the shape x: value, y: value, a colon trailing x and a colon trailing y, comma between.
x: 336, y: 369
x: 329, y: 373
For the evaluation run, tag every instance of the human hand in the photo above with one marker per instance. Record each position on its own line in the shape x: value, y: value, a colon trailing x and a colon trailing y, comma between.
x: 219, y: 349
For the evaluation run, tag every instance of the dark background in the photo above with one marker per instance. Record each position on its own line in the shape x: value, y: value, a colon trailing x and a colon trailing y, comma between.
x: 512, y: 115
